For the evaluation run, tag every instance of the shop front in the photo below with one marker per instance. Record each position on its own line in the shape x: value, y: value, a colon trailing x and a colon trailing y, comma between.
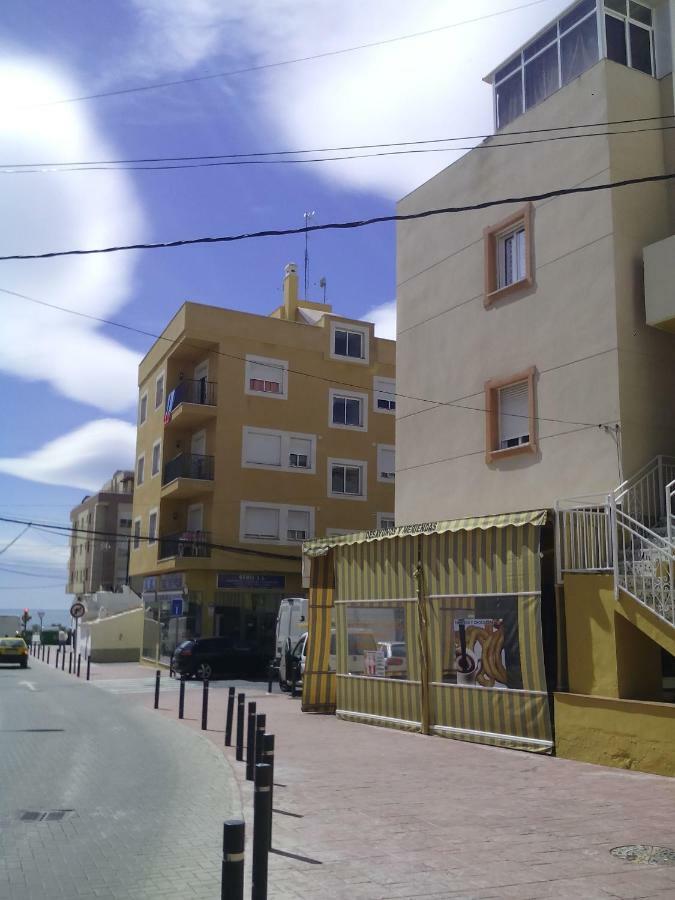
x: 172, y: 613
x: 436, y: 628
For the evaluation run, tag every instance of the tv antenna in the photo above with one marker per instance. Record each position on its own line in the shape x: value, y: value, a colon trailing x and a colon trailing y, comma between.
x: 308, y: 217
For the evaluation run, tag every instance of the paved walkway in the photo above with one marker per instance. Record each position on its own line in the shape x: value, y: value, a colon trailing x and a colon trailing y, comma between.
x: 384, y: 814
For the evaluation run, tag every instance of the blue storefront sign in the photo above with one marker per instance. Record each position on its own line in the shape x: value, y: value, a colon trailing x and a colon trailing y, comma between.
x: 247, y: 581
x: 176, y: 606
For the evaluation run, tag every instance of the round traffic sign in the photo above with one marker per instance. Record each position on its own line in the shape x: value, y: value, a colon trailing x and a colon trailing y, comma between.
x: 77, y: 610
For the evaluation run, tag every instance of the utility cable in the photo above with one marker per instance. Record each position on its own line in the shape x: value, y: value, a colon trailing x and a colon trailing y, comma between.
x: 31, y: 574
x: 14, y: 540
x: 349, y: 225
x: 286, y: 62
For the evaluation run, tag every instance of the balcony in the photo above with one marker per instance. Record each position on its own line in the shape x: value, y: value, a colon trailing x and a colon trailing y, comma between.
x: 191, y: 403
x: 185, y: 545
x: 188, y: 475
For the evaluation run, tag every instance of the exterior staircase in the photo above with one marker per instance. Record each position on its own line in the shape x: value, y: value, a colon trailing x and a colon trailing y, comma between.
x: 630, y: 533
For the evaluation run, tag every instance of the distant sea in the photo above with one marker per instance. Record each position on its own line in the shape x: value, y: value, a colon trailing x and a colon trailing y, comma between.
x: 51, y: 617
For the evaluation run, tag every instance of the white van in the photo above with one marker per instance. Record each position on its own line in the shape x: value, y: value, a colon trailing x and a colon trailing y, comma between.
x: 359, y: 642
x: 291, y: 625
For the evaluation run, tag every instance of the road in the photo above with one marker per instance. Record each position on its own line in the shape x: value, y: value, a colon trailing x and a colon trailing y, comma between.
x: 120, y: 803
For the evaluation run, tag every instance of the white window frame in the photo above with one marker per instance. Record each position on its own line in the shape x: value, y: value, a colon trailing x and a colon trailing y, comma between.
x: 161, y: 377
x: 266, y: 360
x: 141, y: 480
x: 363, y: 330
x: 154, y: 474
x: 381, y: 447
x: 136, y: 538
x: 286, y: 439
x: 142, y: 419
x: 333, y: 461
x: 500, y: 265
x: 382, y: 385
x: 283, y: 510
x: 381, y: 516
x: 153, y: 539
x: 349, y: 395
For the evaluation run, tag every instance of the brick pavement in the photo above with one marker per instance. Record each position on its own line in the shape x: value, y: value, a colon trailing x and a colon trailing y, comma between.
x: 394, y: 815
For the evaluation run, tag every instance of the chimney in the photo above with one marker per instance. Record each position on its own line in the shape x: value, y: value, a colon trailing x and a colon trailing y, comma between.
x: 290, y: 291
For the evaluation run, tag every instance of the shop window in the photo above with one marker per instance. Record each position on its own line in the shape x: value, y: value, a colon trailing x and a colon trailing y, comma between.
x: 508, y: 256
x: 510, y: 416
x: 377, y: 642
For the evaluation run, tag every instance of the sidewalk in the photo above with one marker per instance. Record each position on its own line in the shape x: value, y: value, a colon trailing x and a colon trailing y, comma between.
x: 376, y: 813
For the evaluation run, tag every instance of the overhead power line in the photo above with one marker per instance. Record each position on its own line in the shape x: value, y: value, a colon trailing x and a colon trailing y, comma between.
x: 344, y: 226
x: 14, y: 540
x: 285, y: 62
x: 31, y: 574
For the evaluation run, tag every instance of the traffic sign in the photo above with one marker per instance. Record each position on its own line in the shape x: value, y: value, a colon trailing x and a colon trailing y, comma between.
x: 77, y: 610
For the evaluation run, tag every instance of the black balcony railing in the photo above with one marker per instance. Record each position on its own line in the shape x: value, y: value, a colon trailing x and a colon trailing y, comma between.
x: 188, y: 465
x: 190, y: 391
x: 191, y: 544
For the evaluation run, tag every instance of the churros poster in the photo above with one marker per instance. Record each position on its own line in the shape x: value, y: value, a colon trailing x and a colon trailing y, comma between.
x: 479, y: 652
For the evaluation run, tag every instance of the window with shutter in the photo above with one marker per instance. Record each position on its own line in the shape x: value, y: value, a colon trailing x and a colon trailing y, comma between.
x: 510, y: 416
x: 384, y: 391
x: 265, y: 376
x: 300, y: 453
x: 261, y: 522
x: 140, y: 470
x: 298, y: 525
x: 508, y: 263
x: 152, y: 527
x: 514, y: 415
x: 156, y: 457
x: 386, y: 463
x: 512, y: 260
x: 263, y: 448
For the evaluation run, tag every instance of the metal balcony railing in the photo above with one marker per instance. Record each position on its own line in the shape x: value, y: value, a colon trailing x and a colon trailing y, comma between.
x: 192, y: 544
x: 190, y: 391
x: 188, y: 465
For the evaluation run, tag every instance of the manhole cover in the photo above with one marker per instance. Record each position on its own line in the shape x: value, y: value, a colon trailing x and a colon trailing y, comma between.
x: 44, y: 815
x: 646, y: 853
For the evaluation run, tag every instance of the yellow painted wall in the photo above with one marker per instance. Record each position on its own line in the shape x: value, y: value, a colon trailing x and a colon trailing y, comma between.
x: 627, y: 734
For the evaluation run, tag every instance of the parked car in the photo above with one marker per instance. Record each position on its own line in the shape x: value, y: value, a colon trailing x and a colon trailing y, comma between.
x: 208, y: 657
x: 291, y: 625
x: 13, y: 651
x: 359, y: 642
x: 395, y: 660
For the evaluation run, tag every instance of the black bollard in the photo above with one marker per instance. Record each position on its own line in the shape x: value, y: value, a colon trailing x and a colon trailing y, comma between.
x: 79, y: 663
x: 241, y: 712
x: 270, y: 677
x: 181, y: 698
x: 250, y: 742
x: 63, y: 659
x: 88, y: 668
x: 260, y: 724
x: 262, y: 813
x: 48, y: 649
x: 205, y: 704
x: 70, y: 662
x: 228, y: 720
x: 232, y: 881
x: 158, y: 675
x: 268, y: 758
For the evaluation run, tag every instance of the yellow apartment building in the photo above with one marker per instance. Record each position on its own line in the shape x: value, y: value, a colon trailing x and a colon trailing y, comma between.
x: 255, y: 433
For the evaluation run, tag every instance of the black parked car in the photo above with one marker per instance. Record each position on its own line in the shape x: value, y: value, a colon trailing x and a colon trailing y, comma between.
x: 208, y: 657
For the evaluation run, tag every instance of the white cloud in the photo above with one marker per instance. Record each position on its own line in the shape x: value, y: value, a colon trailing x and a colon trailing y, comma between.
x: 83, y: 458
x: 384, y: 319
x: 51, y: 211
x: 428, y: 87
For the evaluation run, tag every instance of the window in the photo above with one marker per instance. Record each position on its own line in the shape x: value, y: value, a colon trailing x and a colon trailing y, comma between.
x: 140, y: 470
x: 125, y: 523
x: 159, y: 391
x: 386, y: 463
x: 266, y: 376
x: 508, y: 256
x: 347, y: 479
x: 137, y: 534
x: 143, y: 409
x: 349, y: 342
x: 264, y: 448
x: 629, y: 34
x: 385, y: 521
x: 152, y: 526
x: 510, y: 415
x: 384, y: 395
x: 264, y: 523
x: 261, y: 522
x: 156, y: 457
x: 348, y: 410
x: 298, y: 525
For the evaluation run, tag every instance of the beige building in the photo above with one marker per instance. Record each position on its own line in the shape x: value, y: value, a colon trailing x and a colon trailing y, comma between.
x: 99, y: 542
x: 525, y: 323
x: 255, y: 433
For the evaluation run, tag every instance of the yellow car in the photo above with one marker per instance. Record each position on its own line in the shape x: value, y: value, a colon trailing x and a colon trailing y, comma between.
x: 13, y: 650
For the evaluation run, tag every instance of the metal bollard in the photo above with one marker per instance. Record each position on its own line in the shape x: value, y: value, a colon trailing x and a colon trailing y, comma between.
x: 43, y: 652
x: 88, y: 668
x: 48, y: 649
x: 181, y: 698
x: 158, y: 675
x: 250, y: 742
x: 63, y: 659
x: 58, y: 650
x: 232, y: 881
x: 228, y: 720
x: 262, y: 813
x: 260, y: 725
x: 270, y: 677
x: 241, y: 703
x: 268, y: 758
x: 70, y: 662
x: 79, y: 663
x: 205, y: 704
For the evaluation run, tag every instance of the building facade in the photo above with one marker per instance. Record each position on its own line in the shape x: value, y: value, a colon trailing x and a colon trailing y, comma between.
x: 255, y: 433
x: 525, y: 322
x: 100, y: 539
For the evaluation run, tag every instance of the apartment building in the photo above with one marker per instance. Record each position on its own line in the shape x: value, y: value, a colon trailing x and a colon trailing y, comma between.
x: 525, y: 322
x: 255, y: 433
x: 100, y: 540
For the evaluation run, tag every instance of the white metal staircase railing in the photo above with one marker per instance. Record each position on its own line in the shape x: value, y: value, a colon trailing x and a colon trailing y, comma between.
x: 630, y: 532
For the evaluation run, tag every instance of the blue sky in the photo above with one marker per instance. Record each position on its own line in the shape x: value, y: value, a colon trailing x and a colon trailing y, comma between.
x: 68, y: 386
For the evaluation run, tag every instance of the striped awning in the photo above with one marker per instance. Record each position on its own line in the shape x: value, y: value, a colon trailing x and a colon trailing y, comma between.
x: 321, y: 546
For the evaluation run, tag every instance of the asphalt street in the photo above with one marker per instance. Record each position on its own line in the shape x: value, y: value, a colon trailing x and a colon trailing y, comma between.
x: 99, y: 799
